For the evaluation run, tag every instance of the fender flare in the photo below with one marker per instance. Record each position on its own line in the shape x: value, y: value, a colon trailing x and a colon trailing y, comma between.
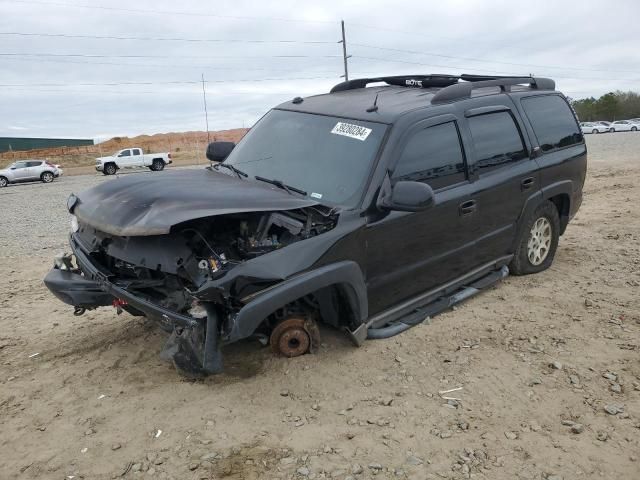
x: 550, y: 191
x: 564, y: 187
x: 346, y: 274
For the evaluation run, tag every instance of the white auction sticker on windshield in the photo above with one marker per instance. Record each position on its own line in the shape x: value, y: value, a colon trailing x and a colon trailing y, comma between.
x: 352, y: 131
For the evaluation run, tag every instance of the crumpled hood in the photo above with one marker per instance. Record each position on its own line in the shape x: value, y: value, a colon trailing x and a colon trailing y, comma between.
x: 150, y: 204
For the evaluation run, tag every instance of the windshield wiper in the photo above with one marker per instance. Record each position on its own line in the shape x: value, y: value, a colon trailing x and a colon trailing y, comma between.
x: 282, y: 185
x: 235, y: 170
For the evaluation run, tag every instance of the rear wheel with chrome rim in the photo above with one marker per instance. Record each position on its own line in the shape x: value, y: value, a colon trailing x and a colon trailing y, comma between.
x: 3, y: 182
x: 47, y: 177
x: 538, y: 241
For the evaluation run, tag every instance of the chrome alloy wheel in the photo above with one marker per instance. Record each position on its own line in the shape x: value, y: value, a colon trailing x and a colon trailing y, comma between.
x: 539, y: 241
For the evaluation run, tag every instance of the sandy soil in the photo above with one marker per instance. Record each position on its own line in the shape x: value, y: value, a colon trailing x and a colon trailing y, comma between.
x: 538, y: 359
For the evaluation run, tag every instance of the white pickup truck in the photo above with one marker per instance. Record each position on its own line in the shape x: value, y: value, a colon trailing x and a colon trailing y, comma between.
x: 132, y: 158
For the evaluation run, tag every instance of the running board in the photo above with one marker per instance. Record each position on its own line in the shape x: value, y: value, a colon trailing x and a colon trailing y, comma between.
x: 438, y: 305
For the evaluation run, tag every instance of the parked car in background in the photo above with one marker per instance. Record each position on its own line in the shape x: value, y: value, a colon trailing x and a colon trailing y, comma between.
x: 590, y: 127
x: 606, y: 124
x: 625, y: 126
x: 132, y: 158
x: 29, y: 171
x: 635, y: 120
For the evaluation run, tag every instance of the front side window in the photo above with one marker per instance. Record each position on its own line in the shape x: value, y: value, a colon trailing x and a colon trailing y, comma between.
x: 433, y: 156
x: 330, y: 158
x: 552, y: 121
x: 497, y: 140
x: 20, y: 165
x: 125, y: 153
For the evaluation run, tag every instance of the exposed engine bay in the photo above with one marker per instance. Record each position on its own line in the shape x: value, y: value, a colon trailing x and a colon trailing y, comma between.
x: 169, y: 269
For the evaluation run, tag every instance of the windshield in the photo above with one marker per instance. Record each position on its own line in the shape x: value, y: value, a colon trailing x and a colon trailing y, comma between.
x: 330, y: 158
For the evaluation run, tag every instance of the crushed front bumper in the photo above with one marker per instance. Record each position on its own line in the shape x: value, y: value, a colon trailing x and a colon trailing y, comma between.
x: 94, y: 289
x: 193, y: 347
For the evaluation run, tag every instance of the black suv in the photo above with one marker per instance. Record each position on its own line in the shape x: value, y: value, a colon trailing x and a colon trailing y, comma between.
x: 367, y: 209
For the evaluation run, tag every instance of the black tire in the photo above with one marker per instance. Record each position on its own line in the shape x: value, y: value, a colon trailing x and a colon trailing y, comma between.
x: 3, y: 182
x: 611, y: 130
x: 46, y: 177
x: 157, y: 165
x: 595, y: 130
x: 522, y: 263
x: 110, y: 169
x: 634, y: 129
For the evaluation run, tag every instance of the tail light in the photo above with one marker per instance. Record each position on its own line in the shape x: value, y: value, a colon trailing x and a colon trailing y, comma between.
x: 50, y: 164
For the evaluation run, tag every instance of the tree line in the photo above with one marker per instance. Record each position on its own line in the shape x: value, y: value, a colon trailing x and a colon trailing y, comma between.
x: 610, y: 106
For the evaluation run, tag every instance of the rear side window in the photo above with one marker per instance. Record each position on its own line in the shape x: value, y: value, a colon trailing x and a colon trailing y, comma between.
x: 34, y: 164
x: 434, y: 156
x: 497, y: 140
x: 552, y: 122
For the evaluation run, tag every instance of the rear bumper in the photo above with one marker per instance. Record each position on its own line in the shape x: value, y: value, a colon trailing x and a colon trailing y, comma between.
x: 95, y: 288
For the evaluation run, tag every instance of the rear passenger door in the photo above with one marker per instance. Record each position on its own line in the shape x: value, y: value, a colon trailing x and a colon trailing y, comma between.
x: 137, y: 159
x: 409, y: 253
x: 35, y: 169
x: 504, y: 176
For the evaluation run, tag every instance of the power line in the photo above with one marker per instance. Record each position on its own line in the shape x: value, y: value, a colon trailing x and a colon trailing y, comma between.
x: 167, y: 12
x: 459, y: 68
x: 176, y: 82
x: 165, y: 66
x: 88, y: 55
x: 415, y: 52
x: 164, y: 39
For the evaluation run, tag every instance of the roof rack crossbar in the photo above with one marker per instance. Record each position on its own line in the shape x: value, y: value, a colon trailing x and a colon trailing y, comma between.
x: 473, y: 82
x: 416, y: 81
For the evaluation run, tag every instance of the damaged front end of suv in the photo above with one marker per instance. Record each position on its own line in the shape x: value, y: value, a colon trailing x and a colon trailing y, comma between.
x: 264, y: 244
x: 208, y: 275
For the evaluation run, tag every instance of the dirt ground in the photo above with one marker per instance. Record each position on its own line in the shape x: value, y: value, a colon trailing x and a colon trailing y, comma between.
x: 548, y: 367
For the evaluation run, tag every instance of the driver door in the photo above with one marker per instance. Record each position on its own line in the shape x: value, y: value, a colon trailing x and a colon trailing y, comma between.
x: 125, y: 159
x: 410, y: 253
x: 20, y: 171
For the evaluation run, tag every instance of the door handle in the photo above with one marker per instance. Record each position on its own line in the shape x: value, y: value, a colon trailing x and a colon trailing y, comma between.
x: 467, y: 208
x: 527, y: 183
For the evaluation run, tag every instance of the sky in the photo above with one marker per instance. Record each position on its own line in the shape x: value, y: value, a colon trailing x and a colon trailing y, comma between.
x: 99, y: 69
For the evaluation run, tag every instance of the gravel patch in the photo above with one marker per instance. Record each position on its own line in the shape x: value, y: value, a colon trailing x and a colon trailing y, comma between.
x: 34, y: 214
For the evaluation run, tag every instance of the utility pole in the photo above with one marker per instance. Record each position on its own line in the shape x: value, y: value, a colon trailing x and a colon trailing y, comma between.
x: 206, y: 115
x: 344, y: 52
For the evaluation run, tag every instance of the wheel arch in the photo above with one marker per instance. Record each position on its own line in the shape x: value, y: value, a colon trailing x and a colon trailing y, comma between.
x: 559, y: 194
x: 339, y: 289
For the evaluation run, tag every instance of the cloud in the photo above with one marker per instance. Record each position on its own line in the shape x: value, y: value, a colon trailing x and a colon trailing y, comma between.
x: 238, y: 54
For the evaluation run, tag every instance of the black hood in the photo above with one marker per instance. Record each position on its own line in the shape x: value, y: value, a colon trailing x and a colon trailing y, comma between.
x: 138, y: 205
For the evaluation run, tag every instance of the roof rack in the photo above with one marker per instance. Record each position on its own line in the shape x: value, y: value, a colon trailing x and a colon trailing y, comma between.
x: 471, y: 82
x: 416, y: 81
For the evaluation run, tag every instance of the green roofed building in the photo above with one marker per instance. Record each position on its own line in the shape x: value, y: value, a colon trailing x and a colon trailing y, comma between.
x: 16, y: 144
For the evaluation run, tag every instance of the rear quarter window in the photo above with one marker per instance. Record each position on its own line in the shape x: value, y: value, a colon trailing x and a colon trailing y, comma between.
x: 552, y: 121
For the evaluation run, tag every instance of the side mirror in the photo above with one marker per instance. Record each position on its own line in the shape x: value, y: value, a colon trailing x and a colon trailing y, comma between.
x: 218, y: 151
x: 409, y: 196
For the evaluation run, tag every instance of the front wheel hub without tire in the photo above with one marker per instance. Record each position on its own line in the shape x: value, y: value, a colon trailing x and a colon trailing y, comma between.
x: 294, y: 337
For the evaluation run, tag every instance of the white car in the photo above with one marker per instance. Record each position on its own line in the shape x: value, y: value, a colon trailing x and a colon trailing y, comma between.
x: 606, y: 124
x: 625, y: 126
x: 29, y: 171
x: 132, y: 158
x: 590, y: 127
